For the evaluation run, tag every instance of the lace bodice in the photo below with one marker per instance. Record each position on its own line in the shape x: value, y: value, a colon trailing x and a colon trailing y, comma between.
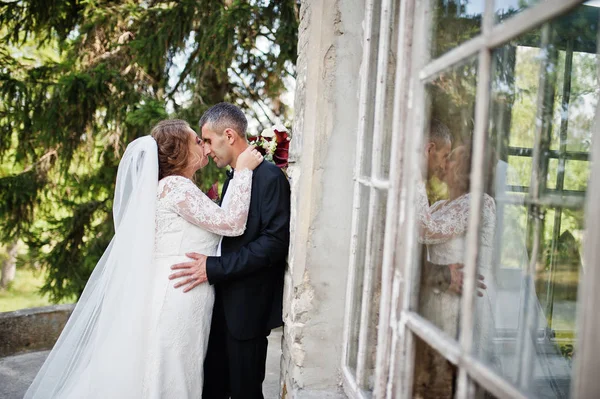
x: 451, y: 217
x: 181, y: 204
x: 447, y: 219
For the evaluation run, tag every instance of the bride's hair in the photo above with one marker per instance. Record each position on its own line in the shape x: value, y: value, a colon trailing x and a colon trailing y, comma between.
x: 462, y: 171
x: 172, y: 139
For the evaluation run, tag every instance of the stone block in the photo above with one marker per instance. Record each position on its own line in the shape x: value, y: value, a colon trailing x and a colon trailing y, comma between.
x: 32, y: 329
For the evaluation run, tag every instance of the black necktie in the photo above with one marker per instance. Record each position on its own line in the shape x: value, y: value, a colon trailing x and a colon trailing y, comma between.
x: 229, y: 173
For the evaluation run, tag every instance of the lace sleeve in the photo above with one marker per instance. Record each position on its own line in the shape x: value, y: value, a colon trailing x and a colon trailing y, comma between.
x: 193, y: 205
x: 450, y: 223
x: 488, y: 225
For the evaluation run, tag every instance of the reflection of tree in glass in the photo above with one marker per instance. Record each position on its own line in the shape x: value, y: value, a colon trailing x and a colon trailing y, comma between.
x: 505, y: 9
x: 453, y: 25
x: 453, y: 100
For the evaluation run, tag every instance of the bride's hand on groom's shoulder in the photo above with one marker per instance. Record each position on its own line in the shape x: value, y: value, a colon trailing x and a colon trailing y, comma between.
x: 192, y: 273
x: 249, y: 159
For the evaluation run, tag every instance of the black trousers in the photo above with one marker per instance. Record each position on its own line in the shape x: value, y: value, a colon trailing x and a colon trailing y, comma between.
x: 233, y: 368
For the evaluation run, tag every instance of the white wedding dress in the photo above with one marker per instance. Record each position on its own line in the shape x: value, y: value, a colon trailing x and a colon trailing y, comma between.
x: 186, y: 221
x: 444, y: 230
x: 132, y: 334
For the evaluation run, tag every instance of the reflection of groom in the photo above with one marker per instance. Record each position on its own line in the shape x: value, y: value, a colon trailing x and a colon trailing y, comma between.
x: 248, y: 274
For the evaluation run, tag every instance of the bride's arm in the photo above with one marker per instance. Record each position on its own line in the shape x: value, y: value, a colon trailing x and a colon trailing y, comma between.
x: 193, y: 205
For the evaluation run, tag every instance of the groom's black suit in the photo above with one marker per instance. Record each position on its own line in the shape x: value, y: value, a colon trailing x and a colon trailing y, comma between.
x: 248, y: 281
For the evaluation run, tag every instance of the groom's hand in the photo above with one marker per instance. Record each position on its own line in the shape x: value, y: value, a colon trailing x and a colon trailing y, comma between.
x: 194, y: 271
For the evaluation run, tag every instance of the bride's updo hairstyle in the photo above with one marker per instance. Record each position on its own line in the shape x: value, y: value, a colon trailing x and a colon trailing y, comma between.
x: 172, y: 139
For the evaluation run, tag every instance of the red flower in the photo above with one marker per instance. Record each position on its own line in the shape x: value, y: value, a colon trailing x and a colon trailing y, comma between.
x: 254, y: 141
x: 280, y: 156
x: 213, y: 192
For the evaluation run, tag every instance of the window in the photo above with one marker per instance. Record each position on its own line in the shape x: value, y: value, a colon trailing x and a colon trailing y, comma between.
x: 371, y: 198
x: 476, y: 138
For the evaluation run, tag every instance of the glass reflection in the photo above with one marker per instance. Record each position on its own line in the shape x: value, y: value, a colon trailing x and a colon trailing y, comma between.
x: 443, y: 203
x: 504, y: 9
x: 543, y: 106
x: 454, y: 22
x: 544, y: 96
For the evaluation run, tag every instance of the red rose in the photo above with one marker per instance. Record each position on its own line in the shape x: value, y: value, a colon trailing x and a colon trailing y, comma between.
x: 213, y: 192
x: 280, y: 156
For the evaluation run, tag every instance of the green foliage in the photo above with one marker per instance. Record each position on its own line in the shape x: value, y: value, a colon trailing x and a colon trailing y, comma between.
x: 453, y: 25
x: 23, y: 292
x: 80, y: 79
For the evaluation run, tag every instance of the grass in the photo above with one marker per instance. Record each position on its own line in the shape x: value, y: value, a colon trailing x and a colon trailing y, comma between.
x: 24, y: 292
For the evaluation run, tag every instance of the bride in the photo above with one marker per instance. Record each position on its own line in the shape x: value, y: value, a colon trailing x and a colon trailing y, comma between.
x: 132, y: 335
x: 442, y: 308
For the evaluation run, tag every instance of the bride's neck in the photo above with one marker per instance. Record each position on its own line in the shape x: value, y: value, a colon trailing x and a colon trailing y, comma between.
x: 455, y: 192
x: 188, y: 173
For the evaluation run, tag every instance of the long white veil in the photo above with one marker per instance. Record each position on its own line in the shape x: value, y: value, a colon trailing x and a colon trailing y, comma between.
x: 102, y: 348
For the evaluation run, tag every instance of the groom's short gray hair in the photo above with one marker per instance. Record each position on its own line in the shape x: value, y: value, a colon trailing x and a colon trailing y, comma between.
x: 225, y: 115
x: 438, y: 132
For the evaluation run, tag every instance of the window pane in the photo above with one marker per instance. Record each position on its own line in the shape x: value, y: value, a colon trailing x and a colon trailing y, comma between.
x: 520, y: 175
x: 390, y: 76
x: 374, y: 261
x: 577, y: 174
x: 450, y: 102
x: 366, y: 147
x: 552, y: 174
x: 543, y: 100
x: 505, y: 9
x: 434, y: 376
x: 359, y: 259
x: 454, y: 22
x: 481, y: 393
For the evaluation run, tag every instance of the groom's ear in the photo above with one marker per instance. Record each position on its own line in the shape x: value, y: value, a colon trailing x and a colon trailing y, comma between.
x: 429, y: 147
x: 230, y: 135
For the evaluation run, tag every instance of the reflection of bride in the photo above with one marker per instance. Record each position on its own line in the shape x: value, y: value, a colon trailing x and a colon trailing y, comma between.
x: 442, y: 308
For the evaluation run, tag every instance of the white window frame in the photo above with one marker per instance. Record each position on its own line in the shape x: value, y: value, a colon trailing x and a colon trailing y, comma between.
x: 371, y: 122
x: 399, y: 324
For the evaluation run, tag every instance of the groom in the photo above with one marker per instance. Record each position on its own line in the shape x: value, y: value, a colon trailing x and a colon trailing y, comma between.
x: 248, y: 275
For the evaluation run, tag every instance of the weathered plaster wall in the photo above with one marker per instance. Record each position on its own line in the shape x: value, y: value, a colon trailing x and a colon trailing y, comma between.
x: 322, y: 154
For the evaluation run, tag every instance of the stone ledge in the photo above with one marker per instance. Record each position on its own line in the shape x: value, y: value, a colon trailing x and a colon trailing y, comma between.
x: 32, y: 329
x: 315, y: 394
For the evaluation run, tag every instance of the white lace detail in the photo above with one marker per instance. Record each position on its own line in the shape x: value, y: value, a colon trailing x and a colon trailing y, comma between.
x: 447, y: 219
x: 186, y: 221
x: 447, y: 245
x: 179, y: 199
x: 178, y: 336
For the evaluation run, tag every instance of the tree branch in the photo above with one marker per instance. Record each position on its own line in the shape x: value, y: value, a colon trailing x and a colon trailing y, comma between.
x: 184, y: 73
x: 253, y: 94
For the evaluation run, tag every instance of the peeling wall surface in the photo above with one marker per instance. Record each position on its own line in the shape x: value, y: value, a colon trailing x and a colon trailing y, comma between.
x: 321, y: 171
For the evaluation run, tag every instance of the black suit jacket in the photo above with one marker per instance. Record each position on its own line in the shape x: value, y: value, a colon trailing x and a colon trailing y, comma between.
x: 248, y: 276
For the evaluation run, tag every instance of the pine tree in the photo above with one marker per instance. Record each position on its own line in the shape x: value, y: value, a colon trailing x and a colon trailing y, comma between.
x: 118, y: 68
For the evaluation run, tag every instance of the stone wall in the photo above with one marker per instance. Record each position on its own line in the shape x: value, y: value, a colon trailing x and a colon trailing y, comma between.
x: 321, y: 171
x: 32, y: 329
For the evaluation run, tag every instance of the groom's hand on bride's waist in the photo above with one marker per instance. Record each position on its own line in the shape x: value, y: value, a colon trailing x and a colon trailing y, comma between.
x: 191, y: 274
